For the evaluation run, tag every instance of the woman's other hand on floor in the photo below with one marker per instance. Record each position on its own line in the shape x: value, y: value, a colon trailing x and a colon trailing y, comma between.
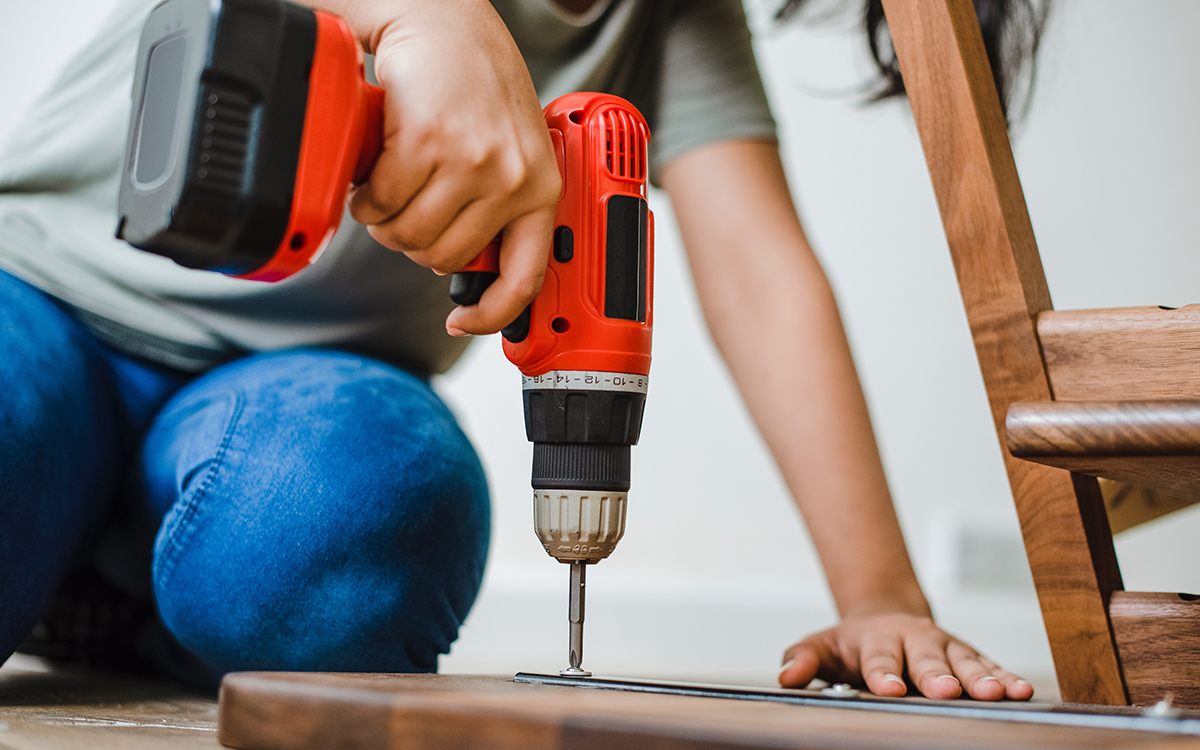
x: 890, y: 652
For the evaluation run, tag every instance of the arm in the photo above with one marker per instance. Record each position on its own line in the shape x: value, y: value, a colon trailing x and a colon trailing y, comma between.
x: 774, y: 319
x: 466, y: 150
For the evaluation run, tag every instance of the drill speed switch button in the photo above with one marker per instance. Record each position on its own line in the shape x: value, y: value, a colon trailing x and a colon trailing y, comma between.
x: 564, y: 244
x: 518, y: 330
x: 467, y: 287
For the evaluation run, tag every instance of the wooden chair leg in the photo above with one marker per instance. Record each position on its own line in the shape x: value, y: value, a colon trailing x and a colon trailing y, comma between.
x: 964, y: 135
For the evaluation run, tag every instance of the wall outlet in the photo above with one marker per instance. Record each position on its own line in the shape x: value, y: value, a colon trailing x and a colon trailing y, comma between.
x: 976, y: 555
x: 987, y: 560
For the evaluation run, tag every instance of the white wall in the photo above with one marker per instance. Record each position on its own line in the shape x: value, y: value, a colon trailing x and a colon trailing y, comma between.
x: 1108, y: 164
x: 716, y: 575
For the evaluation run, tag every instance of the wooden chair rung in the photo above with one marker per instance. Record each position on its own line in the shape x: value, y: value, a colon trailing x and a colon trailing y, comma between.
x: 1147, y: 443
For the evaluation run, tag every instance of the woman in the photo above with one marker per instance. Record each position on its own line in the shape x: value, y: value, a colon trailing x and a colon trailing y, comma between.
x: 241, y: 490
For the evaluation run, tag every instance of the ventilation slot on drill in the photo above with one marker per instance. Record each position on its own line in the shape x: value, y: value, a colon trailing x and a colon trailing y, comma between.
x: 224, y: 135
x: 624, y: 146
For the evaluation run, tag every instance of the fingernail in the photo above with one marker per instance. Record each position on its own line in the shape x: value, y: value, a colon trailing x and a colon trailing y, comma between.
x: 893, y: 678
x: 1019, y: 681
x: 457, y: 332
x: 786, y: 665
x: 988, y: 677
x: 944, y: 676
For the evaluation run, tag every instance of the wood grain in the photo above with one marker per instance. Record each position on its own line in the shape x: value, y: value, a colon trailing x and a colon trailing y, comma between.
x: 44, y: 706
x: 1122, y: 353
x: 1158, y: 636
x: 991, y: 241
x: 1104, y: 428
x: 1174, y: 474
x: 1148, y: 443
x: 289, y: 711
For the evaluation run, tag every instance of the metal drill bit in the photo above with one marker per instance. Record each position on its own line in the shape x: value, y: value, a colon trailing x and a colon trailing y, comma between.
x: 575, y: 656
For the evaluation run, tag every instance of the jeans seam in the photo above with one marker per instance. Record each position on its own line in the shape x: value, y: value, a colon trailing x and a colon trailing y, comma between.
x: 182, y: 533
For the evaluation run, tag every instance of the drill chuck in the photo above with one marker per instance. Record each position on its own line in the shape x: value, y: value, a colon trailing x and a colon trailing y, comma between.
x: 579, y: 525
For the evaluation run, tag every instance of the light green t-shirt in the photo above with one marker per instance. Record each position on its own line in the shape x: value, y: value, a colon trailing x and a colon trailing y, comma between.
x: 687, y: 64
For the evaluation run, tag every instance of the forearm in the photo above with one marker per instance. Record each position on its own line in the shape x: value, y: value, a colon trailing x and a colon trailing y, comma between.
x: 773, y: 316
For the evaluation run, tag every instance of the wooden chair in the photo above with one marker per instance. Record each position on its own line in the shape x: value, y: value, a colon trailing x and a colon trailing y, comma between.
x: 1110, y: 393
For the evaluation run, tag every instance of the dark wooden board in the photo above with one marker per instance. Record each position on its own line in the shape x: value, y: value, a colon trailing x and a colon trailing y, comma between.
x: 286, y: 711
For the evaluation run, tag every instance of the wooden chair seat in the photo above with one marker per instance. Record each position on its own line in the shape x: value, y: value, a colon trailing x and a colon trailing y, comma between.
x: 1121, y: 353
x: 1138, y: 370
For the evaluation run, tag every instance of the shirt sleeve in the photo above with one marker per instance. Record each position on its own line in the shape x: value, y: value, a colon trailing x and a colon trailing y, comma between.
x: 709, y: 87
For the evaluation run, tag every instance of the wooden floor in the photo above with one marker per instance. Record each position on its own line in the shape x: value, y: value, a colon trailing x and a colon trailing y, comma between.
x: 44, y: 708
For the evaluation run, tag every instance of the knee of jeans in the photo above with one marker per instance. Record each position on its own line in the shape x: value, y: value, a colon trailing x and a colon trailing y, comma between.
x: 344, y: 531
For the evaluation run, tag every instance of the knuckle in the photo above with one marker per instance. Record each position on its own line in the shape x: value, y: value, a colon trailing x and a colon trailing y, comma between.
x: 475, y: 154
x: 513, y: 173
x: 423, y: 130
x: 477, y: 157
x: 407, y: 238
x: 441, y: 262
x: 365, y: 206
x: 529, y: 287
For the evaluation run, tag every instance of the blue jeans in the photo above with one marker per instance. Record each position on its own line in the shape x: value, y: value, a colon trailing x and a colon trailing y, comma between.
x: 302, y: 510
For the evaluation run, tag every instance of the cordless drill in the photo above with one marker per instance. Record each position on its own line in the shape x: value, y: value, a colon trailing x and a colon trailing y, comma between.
x: 252, y: 118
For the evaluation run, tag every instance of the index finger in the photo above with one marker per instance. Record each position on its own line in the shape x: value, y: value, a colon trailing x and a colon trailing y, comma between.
x: 393, y: 184
x: 524, y: 251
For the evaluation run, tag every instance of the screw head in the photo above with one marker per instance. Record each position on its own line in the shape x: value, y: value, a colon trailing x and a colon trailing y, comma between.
x: 1162, y: 710
x: 840, y: 690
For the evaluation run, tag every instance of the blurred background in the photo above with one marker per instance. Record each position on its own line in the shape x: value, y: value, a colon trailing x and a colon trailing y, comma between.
x: 716, y: 576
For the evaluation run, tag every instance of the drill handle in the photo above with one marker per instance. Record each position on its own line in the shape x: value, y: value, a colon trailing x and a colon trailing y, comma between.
x: 372, y: 136
x: 468, y: 285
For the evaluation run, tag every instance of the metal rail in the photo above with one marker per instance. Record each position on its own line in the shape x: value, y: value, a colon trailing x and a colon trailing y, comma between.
x: 1161, y: 718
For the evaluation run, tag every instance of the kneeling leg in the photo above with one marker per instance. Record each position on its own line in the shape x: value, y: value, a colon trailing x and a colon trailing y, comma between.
x: 321, y: 511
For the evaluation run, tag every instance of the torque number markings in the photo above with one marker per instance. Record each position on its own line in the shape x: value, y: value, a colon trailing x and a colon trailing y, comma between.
x: 586, y: 380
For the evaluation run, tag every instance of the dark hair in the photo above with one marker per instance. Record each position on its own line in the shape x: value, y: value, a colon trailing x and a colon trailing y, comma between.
x: 1012, y: 31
